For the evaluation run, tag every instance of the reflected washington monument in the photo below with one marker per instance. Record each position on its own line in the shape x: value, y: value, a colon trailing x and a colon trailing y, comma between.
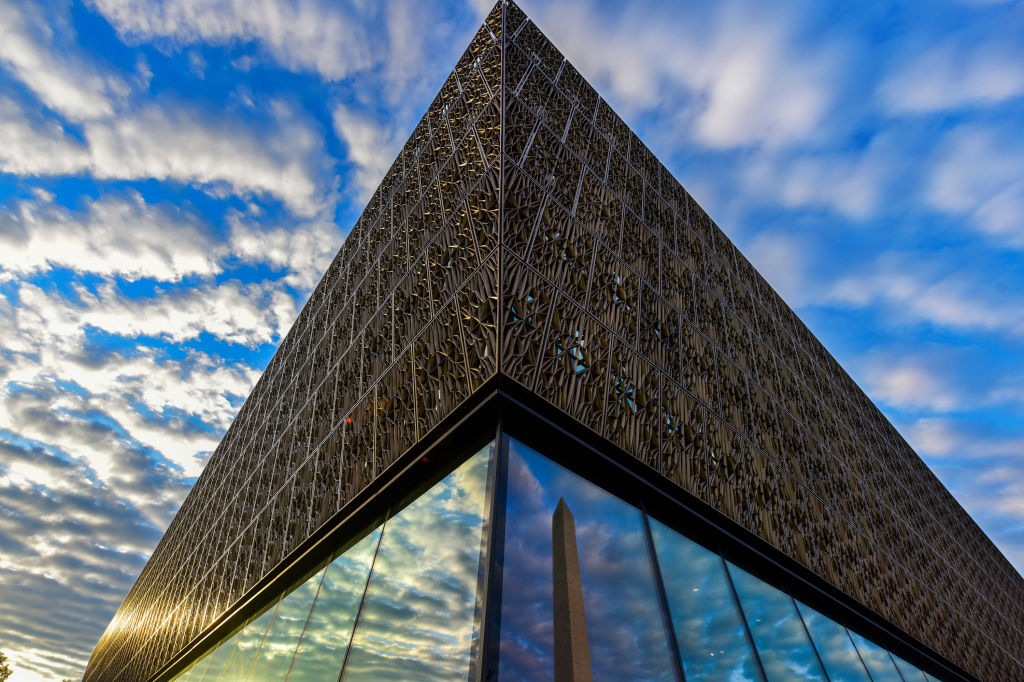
x: 532, y: 315
x: 572, y: 653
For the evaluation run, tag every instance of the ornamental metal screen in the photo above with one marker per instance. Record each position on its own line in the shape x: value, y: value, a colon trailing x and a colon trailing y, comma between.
x: 525, y: 233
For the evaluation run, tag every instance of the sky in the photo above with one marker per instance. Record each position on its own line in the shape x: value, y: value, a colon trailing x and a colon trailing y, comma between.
x: 175, y: 176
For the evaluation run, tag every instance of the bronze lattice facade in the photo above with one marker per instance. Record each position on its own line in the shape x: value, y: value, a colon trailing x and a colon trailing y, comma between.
x: 525, y: 237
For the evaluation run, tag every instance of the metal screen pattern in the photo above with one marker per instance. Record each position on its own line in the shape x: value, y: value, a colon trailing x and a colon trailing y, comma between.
x: 629, y: 309
x: 524, y: 229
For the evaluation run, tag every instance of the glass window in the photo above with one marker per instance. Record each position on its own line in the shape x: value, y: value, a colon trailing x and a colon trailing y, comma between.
x: 196, y: 671
x: 275, y: 655
x: 624, y: 622
x: 782, y: 643
x: 909, y: 672
x: 712, y: 638
x: 247, y: 644
x: 217, y: 659
x: 419, y: 618
x: 329, y: 630
x: 877, y: 660
x: 837, y: 652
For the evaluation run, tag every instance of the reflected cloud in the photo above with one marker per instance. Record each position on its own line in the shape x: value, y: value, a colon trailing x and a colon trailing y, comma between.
x: 782, y: 643
x: 624, y: 624
x: 877, y: 660
x: 321, y: 652
x: 275, y: 655
x: 419, y: 618
x: 834, y: 646
x: 712, y: 638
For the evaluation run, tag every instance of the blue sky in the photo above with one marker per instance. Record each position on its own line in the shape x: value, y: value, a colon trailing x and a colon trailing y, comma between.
x: 175, y: 176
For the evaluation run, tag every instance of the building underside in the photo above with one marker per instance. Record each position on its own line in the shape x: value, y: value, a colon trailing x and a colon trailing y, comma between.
x: 541, y: 418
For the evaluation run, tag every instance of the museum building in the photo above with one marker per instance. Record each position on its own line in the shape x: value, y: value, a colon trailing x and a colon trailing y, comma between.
x: 540, y: 419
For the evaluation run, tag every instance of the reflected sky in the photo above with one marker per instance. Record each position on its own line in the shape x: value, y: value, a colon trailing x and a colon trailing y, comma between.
x: 195, y: 671
x: 418, y: 621
x: 712, y: 639
x: 910, y: 673
x: 216, y: 661
x: 779, y: 636
x: 877, y: 660
x: 275, y: 655
x: 247, y: 644
x: 420, y: 616
x: 834, y: 646
x: 624, y: 623
x: 322, y: 649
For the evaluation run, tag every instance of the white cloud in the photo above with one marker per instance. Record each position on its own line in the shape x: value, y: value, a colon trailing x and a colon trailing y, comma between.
x: 979, y: 173
x: 916, y: 293
x: 300, y: 34
x: 234, y: 312
x: 32, y: 145
x: 943, y: 378
x: 853, y: 183
x: 781, y: 258
x: 372, y: 147
x: 122, y: 235
x: 949, y: 437
x: 920, y: 381
x: 910, y: 288
x: 305, y: 249
x: 113, y: 235
x: 760, y: 89
x: 182, y: 144
x: 31, y: 49
x: 283, y: 157
x: 47, y: 345
x: 953, y: 75
x: 750, y: 79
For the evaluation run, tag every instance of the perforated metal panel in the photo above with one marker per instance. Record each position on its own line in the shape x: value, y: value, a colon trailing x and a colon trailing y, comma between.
x: 525, y: 230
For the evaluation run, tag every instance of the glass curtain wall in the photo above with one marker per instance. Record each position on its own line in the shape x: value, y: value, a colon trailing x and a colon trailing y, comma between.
x: 656, y: 604
x: 401, y: 603
x: 647, y: 603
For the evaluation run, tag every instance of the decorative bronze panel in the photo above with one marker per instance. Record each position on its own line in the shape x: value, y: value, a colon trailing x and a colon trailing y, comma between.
x: 525, y: 231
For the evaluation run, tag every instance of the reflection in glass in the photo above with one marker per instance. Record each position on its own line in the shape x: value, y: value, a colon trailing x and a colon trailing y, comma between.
x: 877, y: 660
x: 834, y: 646
x: 418, y: 620
x: 712, y: 639
x: 247, y: 644
x: 779, y: 636
x: 329, y: 630
x: 271, y: 664
x: 217, y: 660
x: 198, y: 669
x: 625, y: 626
x: 909, y: 672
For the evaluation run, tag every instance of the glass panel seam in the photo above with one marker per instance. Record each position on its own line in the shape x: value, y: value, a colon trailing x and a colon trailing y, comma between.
x: 263, y: 640
x: 814, y: 647
x: 362, y: 601
x: 743, y: 617
x: 490, y: 627
x: 663, y: 598
x: 859, y: 657
x: 319, y: 585
x: 898, y: 671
